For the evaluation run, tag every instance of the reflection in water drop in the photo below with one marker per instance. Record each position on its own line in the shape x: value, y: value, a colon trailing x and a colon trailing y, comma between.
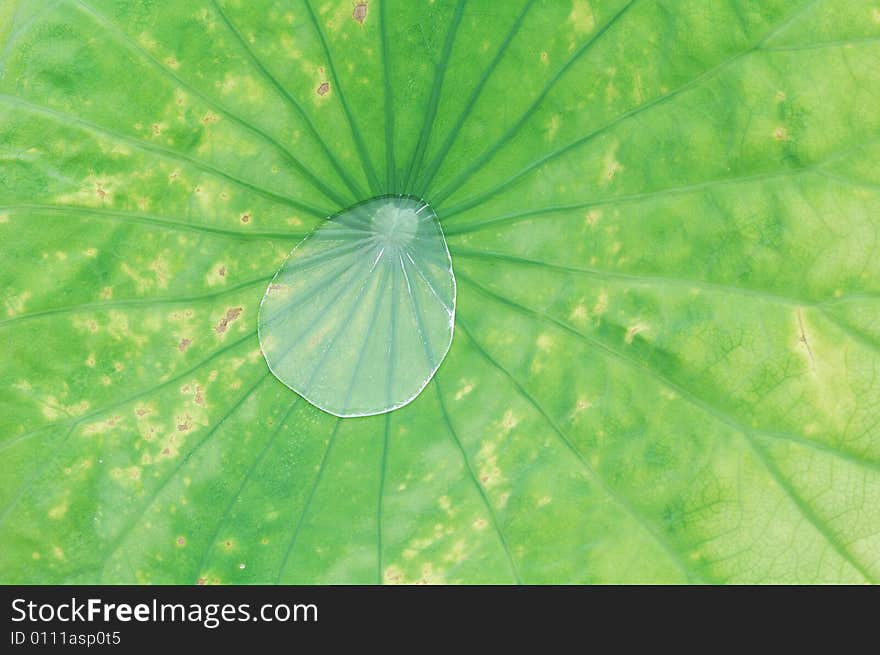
x: 361, y: 313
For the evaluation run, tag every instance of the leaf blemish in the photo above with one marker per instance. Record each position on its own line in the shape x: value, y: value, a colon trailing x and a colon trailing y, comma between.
x: 360, y: 12
x: 632, y: 331
x: 323, y: 89
x: 803, y: 339
x: 231, y: 315
x: 466, y: 388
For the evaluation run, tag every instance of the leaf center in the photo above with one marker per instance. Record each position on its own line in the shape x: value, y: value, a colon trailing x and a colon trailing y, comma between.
x: 360, y: 315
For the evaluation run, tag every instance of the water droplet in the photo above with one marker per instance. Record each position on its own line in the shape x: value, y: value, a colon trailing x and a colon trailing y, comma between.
x: 361, y: 313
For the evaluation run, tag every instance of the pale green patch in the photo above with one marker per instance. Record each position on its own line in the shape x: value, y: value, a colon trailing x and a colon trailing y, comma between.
x: 361, y: 313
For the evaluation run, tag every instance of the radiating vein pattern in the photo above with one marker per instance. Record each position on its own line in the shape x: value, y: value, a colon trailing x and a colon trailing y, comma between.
x: 663, y: 221
x: 360, y: 315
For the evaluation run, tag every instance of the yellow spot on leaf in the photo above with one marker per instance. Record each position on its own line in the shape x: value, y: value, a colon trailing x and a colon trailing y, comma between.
x: 544, y: 341
x: 611, y: 167
x: 581, y: 17
x: 553, y: 126
x: 58, y: 511
x: 393, y: 575
x: 601, y: 305
x: 509, y: 421
x: 466, y: 388
x: 15, y: 304
x: 579, y: 313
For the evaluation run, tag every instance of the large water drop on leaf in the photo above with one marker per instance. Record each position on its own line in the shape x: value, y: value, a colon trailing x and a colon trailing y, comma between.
x: 360, y: 315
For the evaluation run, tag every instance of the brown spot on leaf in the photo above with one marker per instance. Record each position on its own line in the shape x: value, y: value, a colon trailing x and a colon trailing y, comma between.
x: 245, y: 218
x: 231, y: 315
x: 184, y: 344
x: 323, y: 89
x: 221, y: 271
x: 360, y: 12
x: 186, y: 425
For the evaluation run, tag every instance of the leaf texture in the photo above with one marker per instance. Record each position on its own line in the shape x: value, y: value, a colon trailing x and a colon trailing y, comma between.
x: 663, y: 221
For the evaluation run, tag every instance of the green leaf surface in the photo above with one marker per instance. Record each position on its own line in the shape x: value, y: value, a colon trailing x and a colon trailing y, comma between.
x: 663, y: 223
